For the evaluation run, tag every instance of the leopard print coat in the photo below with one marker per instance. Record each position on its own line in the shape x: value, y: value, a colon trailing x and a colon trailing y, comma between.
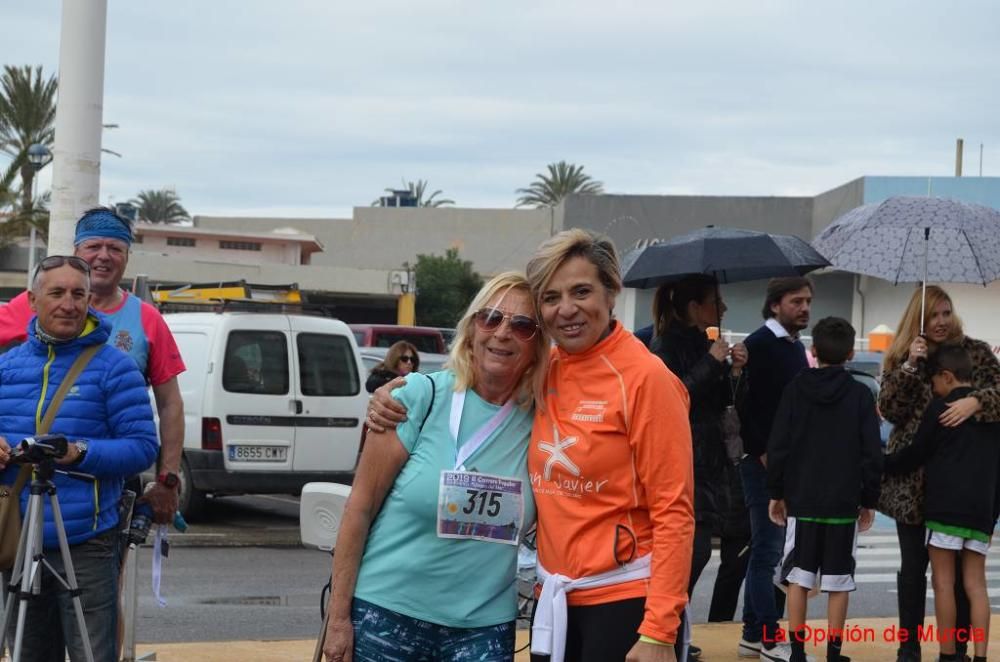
x: 902, y: 401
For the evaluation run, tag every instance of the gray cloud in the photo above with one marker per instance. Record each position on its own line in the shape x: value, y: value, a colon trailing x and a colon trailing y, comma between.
x: 310, y: 108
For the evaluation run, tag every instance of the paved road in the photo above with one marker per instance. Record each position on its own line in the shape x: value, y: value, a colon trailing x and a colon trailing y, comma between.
x: 254, y: 581
x: 234, y: 593
x: 239, y: 573
x: 270, y: 520
x: 878, y: 561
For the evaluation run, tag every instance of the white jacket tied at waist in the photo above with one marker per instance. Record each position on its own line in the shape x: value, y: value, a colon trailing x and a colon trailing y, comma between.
x: 548, y: 634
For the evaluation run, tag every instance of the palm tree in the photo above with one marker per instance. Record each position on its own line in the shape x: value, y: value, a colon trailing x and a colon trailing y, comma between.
x: 17, y: 219
x: 562, y: 180
x: 161, y: 206
x: 27, y: 116
x: 8, y: 195
x: 418, y: 190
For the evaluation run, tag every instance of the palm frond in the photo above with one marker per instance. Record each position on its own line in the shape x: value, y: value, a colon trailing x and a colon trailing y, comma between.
x: 562, y: 179
x: 160, y: 206
x: 28, y: 108
x: 418, y: 190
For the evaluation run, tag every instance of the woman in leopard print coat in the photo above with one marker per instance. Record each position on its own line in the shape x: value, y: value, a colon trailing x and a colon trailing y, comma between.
x: 905, y: 394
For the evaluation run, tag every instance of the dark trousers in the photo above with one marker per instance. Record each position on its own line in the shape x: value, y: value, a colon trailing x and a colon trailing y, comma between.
x: 50, y: 623
x: 763, y: 603
x: 734, y: 553
x: 605, y: 633
x: 912, y: 584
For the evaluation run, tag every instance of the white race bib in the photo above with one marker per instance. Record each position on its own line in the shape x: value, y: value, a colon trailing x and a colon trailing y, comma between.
x: 480, y: 507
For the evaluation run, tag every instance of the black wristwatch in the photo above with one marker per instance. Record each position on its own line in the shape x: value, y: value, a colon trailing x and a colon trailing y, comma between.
x: 168, y: 479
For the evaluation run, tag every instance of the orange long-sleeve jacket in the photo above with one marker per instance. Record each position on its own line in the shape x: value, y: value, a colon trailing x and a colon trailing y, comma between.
x: 611, y: 468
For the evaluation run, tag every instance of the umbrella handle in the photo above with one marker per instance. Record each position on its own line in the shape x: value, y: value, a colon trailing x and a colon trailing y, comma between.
x: 923, y: 283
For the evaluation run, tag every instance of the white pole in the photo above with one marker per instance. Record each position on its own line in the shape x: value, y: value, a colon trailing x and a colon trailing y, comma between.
x: 79, y: 113
x: 33, y: 235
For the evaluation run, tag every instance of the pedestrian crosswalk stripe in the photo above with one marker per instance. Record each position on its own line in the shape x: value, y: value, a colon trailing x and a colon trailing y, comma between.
x: 890, y: 577
x: 894, y: 563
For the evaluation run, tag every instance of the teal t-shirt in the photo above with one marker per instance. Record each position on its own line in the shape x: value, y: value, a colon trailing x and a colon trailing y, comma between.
x: 406, y: 567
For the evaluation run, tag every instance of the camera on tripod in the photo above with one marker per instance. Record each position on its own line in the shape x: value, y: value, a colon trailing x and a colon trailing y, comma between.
x: 35, y: 450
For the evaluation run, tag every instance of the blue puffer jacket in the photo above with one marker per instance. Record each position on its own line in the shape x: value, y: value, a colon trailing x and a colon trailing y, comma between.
x: 108, y: 406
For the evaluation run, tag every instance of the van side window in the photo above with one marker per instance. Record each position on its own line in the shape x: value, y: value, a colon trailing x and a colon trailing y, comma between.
x: 326, y: 365
x: 256, y: 362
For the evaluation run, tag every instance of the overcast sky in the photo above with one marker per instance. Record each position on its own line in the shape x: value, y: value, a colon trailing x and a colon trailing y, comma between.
x: 308, y: 108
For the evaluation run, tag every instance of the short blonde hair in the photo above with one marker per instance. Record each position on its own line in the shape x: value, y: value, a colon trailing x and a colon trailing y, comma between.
x: 598, y: 249
x: 911, y: 326
x: 460, y: 357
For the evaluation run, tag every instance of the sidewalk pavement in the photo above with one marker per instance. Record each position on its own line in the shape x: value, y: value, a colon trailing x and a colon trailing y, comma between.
x: 717, y: 641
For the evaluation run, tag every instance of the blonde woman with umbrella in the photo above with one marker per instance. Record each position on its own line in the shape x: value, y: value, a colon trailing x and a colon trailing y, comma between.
x: 905, y: 394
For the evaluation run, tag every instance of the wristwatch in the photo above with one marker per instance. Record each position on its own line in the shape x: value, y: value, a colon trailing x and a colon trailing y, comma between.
x: 81, y: 447
x: 168, y: 479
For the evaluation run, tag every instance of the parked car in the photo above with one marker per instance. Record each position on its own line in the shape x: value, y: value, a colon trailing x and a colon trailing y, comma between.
x: 424, y: 338
x: 867, y: 362
x: 272, y: 401
x: 447, y: 334
x: 866, y: 367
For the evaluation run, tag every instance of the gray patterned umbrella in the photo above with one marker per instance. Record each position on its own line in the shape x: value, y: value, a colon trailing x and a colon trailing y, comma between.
x: 916, y: 239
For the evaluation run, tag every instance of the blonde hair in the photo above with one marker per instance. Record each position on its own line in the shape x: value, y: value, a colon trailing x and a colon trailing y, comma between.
x: 460, y: 357
x: 391, y: 360
x: 560, y: 248
x: 911, y: 326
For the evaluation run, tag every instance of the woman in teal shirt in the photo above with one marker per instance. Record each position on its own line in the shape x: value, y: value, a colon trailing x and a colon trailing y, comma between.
x: 426, y: 556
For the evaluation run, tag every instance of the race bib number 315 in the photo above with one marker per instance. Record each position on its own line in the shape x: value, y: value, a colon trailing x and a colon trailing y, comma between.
x: 480, y: 507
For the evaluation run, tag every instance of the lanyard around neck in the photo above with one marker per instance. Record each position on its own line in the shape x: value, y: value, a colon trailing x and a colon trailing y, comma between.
x: 481, y: 435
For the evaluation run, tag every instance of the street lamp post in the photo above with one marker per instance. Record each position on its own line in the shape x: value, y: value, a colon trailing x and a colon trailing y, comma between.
x: 39, y: 156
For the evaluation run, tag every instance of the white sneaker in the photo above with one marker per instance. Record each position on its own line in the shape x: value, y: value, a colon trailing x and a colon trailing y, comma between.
x: 748, y: 648
x: 780, y: 653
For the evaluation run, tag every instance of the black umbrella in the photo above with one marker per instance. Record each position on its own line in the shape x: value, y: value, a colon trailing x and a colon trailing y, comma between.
x: 727, y: 254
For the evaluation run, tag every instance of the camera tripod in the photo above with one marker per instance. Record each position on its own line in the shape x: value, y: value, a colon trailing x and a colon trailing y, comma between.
x: 30, y: 561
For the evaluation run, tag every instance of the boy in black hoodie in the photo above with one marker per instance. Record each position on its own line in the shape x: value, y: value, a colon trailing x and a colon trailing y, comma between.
x: 960, y: 498
x: 824, y: 469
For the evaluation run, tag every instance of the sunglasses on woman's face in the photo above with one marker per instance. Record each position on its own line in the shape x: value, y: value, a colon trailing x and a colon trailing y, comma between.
x: 491, y: 319
x: 406, y: 358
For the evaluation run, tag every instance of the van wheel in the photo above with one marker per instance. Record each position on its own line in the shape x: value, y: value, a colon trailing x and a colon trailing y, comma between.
x: 192, y: 501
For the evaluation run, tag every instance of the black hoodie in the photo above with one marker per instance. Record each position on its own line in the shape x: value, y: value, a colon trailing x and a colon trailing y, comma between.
x: 824, y: 457
x: 962, y: 487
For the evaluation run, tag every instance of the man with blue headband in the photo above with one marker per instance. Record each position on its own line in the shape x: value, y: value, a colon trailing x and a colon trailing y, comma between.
x: 103, y: 239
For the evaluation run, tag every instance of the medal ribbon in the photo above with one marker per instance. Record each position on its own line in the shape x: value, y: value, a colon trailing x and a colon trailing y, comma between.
x: 482, y: 434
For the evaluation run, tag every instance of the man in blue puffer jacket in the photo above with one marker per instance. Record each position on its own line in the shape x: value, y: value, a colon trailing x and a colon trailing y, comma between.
x: 107, y: 417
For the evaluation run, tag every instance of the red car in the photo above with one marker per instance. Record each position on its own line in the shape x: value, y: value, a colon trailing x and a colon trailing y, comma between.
x: 424, y: 338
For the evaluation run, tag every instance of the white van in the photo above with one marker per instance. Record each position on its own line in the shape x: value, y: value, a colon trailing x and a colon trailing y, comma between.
x: 271, y: 402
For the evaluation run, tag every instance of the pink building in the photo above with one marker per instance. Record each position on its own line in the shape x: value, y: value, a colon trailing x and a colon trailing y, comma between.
x: 286, y: 246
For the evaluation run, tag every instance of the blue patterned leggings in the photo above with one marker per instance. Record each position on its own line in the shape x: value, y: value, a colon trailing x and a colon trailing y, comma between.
x: 382, y: 635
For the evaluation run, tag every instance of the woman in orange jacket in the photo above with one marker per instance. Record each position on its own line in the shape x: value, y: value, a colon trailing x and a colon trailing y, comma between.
x: 610, y: 465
